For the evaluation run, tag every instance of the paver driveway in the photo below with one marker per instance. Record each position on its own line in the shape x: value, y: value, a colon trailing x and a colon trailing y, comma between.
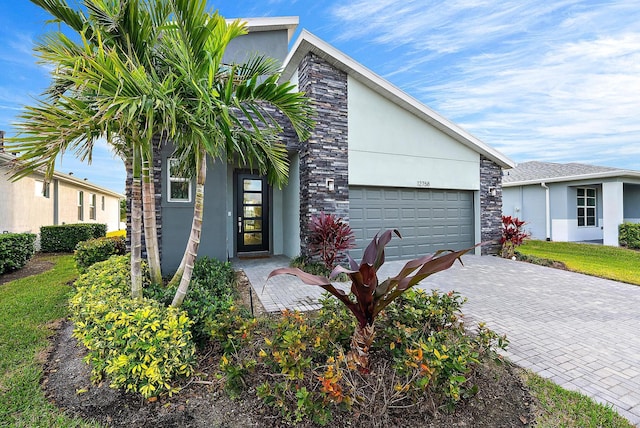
x: 580, y: 331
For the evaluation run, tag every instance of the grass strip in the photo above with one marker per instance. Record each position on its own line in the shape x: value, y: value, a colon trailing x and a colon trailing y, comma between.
x: 619, y: 264
x: 559, y: 407
x: 27, y: 307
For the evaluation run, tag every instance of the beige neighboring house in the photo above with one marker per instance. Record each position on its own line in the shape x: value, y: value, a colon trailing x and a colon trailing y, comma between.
x: 29, y: 203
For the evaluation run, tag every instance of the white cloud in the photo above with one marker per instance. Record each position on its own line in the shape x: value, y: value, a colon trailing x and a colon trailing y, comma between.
x: 552, y: 81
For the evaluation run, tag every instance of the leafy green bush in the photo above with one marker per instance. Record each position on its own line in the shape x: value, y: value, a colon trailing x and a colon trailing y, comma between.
x: 629, y: 235
x: 96, y: 250
x: 139, y: 344
x: 211, y: 292
x: 423, y: 359
x: 15, y: 250
x: 64, y: 238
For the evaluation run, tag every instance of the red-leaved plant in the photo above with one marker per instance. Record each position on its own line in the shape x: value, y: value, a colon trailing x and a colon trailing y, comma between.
x: 512, y: 235
x: 329, y: 235
x: 372, y: 296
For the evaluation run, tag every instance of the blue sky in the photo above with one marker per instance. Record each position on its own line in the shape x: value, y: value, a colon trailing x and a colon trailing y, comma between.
x: 553, y: 81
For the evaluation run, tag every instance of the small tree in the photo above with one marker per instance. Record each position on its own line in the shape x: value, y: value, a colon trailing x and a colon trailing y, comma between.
x: 372, y: 296
x: 329, y: 236
x: 512, y: 235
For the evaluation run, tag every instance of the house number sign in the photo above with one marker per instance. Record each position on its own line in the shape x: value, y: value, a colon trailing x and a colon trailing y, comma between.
x: 423, y: 183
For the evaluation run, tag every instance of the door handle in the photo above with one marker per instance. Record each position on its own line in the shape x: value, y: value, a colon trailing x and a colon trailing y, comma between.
x: 239, y: 224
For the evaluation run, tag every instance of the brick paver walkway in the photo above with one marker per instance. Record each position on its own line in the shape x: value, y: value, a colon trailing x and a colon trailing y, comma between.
x: 581, y: 332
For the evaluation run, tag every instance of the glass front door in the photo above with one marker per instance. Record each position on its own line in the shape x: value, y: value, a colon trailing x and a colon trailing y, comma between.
x: 253, y: 210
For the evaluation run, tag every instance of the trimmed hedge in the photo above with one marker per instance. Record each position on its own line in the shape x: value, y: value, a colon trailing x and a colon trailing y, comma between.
x: 15, y: 250
x: 64, y: 238
x: 96, y: 250
x: 140, y: 345
x: 629, y: 235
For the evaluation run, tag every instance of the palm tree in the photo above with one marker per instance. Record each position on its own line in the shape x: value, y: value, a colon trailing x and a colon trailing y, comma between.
x: 103, y: 86
x: 226, y: 115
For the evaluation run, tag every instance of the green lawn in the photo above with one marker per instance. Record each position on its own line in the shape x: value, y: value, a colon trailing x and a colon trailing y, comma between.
x: 27, y: 306
x: 615, y: 263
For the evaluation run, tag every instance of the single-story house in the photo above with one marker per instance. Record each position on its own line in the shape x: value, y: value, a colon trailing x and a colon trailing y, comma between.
x: 572, y: 201
x: 377, y: 157
x: 29, y: 203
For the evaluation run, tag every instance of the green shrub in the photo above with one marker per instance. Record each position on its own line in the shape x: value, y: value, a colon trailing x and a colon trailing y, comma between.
x: 629, y: 235
x: 96, y: 250
x: 64, y: 238
x: 211, y: 292
x: 423, y: 359
x: 15, y: 250
x: 140, y: 345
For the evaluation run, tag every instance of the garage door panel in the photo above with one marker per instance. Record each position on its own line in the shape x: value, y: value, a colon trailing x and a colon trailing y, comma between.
x: 427, y: 219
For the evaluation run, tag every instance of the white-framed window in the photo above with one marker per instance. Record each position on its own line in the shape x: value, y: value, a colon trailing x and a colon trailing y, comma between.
x: 102, y: 202
x: 92, y: 206
x: 586, y: 203
x: 179, y: 188
x: 42, y: 189
x: 80, y: 205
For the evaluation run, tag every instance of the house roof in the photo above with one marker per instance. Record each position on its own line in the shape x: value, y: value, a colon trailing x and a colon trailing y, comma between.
x: 307, y: 42
x: 547, y: 172
x: 289, y: 23
x: 6, y: 158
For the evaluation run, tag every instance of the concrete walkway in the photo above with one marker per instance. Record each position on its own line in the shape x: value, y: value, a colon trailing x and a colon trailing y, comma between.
x: 580, y: 331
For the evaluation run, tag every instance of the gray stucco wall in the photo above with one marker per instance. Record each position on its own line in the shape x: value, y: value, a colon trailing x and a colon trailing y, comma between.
x: 275, y: 44
x: 632, y: 202
x: 177, y: 217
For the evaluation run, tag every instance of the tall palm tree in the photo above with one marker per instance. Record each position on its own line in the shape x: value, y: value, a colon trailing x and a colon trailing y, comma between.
x: 227, y: 113
x: 126, y: 31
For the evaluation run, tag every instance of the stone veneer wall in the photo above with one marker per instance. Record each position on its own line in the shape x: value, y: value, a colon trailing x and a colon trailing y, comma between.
x: 490, y: 206
x: 324, y: 155
x: 157, y: 182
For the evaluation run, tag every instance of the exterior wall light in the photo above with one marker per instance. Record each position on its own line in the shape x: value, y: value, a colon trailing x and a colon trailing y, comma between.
x: 331, y: 185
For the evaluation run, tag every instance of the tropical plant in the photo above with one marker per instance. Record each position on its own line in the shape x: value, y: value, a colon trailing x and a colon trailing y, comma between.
x: 512, y: 235
x: 105, y: 85
x: 329, y: 236
x: 227, y: 111
x: 370, y: 296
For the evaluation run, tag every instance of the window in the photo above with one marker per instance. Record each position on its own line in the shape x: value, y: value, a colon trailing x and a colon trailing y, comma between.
x: 102, y: 203
x: 80, y: 205
x: 92, y: 206
x: 179, y: 187
x: 586, y: 206
x: 42, y: 189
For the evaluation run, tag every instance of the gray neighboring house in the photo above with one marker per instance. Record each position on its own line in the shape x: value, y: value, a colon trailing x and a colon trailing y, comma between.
x: 377, y: 157
x: 573, y: 201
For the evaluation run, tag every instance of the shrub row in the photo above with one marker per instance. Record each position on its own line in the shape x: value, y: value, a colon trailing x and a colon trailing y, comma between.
x: 141, y: 345
x: 15, y: 250
x: 629, y: 235
x: 64, y: 238
x: 97, y: 250
x: 211, y: 292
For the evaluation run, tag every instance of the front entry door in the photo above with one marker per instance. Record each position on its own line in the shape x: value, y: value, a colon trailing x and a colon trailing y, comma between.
x: 253, y: 213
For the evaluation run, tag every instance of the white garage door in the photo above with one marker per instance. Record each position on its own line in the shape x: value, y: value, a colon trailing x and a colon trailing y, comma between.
x: 427, y: 219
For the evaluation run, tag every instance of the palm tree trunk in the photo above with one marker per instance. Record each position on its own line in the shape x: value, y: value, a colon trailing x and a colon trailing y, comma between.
x: 136, y: 227
x: 191, y: 251
x: 360, y: 343
x: 149, y: 212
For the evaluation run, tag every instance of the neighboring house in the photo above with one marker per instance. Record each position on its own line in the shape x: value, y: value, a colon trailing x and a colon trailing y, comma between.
x: 572, y: 202
x: 29, y: 203
x: 377, y: 157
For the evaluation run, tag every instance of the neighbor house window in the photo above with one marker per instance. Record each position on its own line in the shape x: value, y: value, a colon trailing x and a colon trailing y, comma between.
x: 102, y: 203
x: 42, y: 189
x: 80, y: 205
x: 179, y: 187
x: 92, y: 206
x: 586, y: 206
